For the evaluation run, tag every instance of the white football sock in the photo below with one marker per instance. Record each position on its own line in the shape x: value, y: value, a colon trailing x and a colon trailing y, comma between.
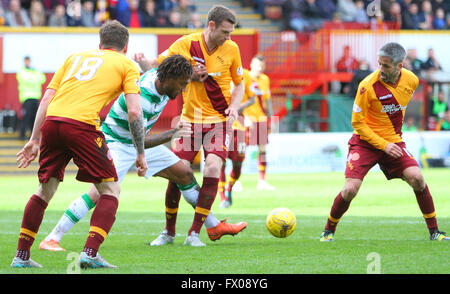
x: 76, y: 211
x: 190, y: 193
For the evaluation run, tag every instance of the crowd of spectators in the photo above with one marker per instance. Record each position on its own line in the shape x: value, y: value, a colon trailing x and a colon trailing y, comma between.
x: 309, y: 15
x: 92, y: 13
x: 300, y: 15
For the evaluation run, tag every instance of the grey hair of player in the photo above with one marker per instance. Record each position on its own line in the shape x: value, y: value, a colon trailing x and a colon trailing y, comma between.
x: 394, y: 51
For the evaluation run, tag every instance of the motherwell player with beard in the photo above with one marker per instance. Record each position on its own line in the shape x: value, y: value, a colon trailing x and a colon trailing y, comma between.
x: 211, y: 107
x: 377, y: 119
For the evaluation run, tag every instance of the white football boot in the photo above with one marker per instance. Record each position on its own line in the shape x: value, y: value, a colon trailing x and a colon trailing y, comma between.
x: 20, y: 263
x: 163, y: 239
x: 87, y: 261
x: 194, y: 240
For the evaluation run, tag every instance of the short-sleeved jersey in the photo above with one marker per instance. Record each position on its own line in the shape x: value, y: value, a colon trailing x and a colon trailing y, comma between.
x: 90, y: 80
x: 115, y: 127
x: 207, y: 101
x: 379, y: 108
x: 258, y: 111
x: 249, y: 91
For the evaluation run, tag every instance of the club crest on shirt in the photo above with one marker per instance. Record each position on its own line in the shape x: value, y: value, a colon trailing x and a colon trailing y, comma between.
x: 409, y: 91
x: 240, y: 71
x: 220, y: 59
x: 356, y: 108
x: 362, y: 90
x: 99, y: 142
x: 353, y: 156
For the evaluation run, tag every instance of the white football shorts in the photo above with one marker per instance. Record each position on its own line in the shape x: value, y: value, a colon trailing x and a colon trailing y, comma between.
x: 124, y: 157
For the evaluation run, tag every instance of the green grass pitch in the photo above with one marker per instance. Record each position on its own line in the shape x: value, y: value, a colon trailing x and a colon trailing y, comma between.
x: 382, y: 231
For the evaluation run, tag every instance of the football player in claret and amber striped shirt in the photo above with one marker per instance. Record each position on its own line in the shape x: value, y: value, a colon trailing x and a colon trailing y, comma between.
x: 258, y: 118
x: 211, y: 107
x: 237, y: 145
x: 67, y: 126
x: 377, y: 119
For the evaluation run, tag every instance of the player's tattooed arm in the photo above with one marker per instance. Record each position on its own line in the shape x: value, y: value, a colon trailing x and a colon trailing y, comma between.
x: 138, y: 133
x: 137, y: 130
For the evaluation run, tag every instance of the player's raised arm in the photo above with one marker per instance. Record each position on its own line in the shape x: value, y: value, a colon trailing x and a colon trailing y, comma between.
x: 144, y: 63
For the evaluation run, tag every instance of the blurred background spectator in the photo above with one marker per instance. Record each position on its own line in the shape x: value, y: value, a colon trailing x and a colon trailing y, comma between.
x: 173, y: 20
x: 291, y: 10
x: 194, y: 22
x: 426, y: 16
x: 38, y: 16
x: 130, y: 15
x: 2, y: 16
x: 410, y: 17
x: 439, y: 19
x: 88, y: 14
x: 150, y: 17
x: 327, y: 7
x: 409, y: 124
x: 185, y: 9
x: 347, y: 9
x: 448, y: 21
x: 104, y: 11
x: 361, y: 12
x: 58, y: 17
x: 306, y: 15
x: 363, y: 71
x: 16, y: 16
x: 347, y: 63
x: 415, y: 64
x: 166, y: 5
x: 73, y: 14
x: 444, y: 123
x: 29, y: 83
x: 395, y: 14
x: 431, y: 64
x: 438, y: 105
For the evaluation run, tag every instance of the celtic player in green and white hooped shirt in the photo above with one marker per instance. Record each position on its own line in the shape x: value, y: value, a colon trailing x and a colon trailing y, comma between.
x: 161, y: 161
x: 115, y: 127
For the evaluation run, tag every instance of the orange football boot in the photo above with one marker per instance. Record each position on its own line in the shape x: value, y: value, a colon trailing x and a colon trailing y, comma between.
x: 224, y: 228
x: 50, y: 245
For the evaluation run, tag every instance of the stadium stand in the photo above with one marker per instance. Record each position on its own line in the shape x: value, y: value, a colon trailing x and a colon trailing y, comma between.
x: 266, y: 15
x: 300, y: 63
